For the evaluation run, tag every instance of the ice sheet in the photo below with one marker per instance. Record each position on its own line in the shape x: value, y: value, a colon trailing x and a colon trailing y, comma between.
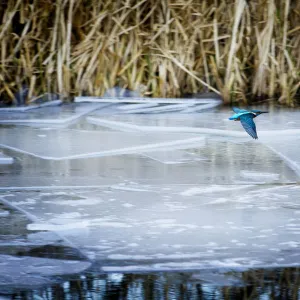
x: 56, y: 115
x: 71, y: 144
x: 30, y: 107
x: 203, y: 120
x: 30, y: 258
x: 287, y: 147
x: 173, y: 157
x: 25, y: 272
x: 160, y: 109
x: 4, y: 159
x: 178, y: 191
x: 131, y: 107
x: 4, y: 213
x: 147, y: 100
x: 123, y: 126
x: 166, y: 227
x: 210, y: 162
x: 282, y: 121
x: 140, y: 105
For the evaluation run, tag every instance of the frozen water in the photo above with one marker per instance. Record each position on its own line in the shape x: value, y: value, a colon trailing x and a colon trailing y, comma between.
x: 174, y: 157
x: 73, y: 144
x: 259, y: 176
x: 140, y: 105
x: 28, y: 258
x: 25, y: 272
x: 136, y: 99
x: 4, y: 159
x: 4, y: 213
x: 216, y: 162
x: 146, y: 192
x: 56, y: 115
x: 287, y: 147
x: 162, y: 108
x: 30, y: 107
x: 133, y: 107
x: 175, y: 227
x: 277, y: 121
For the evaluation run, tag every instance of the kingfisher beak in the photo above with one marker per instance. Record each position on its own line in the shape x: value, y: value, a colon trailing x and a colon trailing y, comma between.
x: 264, y: 112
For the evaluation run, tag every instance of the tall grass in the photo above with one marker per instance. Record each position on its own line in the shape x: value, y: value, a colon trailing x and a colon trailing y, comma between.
x: 243, y: 50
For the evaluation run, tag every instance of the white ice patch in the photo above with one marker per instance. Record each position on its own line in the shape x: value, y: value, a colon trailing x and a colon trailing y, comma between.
x: 164, y: 221
x: 211, y: 189
x: 234, y: 262
x: 259, y: 175
x: 181, y: 226
x: 170, y: 224
x: 129, y: 188
x: 219, y: 201
x: 207, y: 227
x: 62, y: 220
x: 112, y: 224
x: 70, y: 215
x: 127, y: 205
x: 291, y: 244
x: 61, y: 227
x: 173, y: 206
x: 133, y: 245
x: 4, y: 213
x: 83, y: 202
x: 5, y: 160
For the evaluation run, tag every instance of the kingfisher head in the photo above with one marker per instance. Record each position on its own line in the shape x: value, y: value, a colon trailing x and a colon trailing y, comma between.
x: 257, y: 112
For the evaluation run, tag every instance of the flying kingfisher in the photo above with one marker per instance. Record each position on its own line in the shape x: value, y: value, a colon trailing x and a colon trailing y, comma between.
x: 246, y: 117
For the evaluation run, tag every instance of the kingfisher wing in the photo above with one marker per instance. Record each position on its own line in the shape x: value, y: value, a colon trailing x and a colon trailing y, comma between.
x: 238, y: 111
x: 249, y: 125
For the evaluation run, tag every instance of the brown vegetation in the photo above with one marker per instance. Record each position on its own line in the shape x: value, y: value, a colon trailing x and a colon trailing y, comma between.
x: 240, y: 49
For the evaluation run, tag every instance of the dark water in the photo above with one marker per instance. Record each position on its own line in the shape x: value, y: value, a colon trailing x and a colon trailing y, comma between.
x: 254, y: 284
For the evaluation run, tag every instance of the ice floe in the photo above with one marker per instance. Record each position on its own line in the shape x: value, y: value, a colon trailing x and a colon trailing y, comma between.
x: 4, y: 159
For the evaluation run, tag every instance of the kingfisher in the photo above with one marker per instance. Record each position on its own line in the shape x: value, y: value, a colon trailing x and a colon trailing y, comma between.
x: 246, y: 117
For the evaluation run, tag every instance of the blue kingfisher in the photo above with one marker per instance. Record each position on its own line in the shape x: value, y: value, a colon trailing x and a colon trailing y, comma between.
x: 246, y: 117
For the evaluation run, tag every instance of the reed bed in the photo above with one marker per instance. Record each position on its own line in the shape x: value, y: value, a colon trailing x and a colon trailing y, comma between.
x: 242, y: 50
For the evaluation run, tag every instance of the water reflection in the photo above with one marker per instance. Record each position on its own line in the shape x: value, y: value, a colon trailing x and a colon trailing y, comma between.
x: 263, y: 284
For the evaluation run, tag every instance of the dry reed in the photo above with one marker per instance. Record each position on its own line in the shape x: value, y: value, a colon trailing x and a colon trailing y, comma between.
x: 241, y: 50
